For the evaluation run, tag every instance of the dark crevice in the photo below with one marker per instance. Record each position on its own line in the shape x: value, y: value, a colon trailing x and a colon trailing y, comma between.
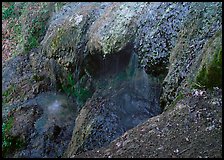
x: 113, y: 63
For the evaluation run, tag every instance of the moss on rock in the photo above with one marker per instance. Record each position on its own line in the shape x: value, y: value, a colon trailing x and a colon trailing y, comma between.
x: 209, y: 74
x: 10, y: 143
x: 56, y: 40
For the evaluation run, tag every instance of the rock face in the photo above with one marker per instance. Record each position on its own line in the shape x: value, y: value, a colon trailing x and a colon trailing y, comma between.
x: 156, y: 35
x: 180, y: 131
x: 20, y: 82
x: 120, y: 105
x: 154, y: 70
x: 45, y: 124
x: 112, y: 31
x: 193, y: 128
x: 185, y: 59
x: 66, y: 38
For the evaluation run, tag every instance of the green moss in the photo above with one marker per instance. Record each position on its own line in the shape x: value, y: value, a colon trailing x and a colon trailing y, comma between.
x: 71, y: 89
x: 82, y: 95
x: 37, y: 27
x: 9, y: 143
x: 9, y: 12
x: 37, y: 77
x: 8, y: 94
x: 210, y: 75
x: 8, y: 124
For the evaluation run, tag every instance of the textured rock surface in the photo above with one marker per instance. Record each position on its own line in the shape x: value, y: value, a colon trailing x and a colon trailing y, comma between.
x: 157, y: 31
x: 193, y: 128
x: 124, y: 101
x: 189, y: 117
x: 210, y: 72
x: 66, y: 38
x: 95, y: 42
x: 45, y: 124
x: 19, y: 82
x: 112, y: 31
x: 185, y: 58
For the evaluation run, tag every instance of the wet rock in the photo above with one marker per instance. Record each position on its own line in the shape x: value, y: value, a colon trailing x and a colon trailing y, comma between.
x: 118, y: 106
x: 66, y: 38
x: 24, y: 119
x: 210, y: 72
x: 94, y: 41
x: 46, y: 122
x: 179, y: 133
x: 65, y: 41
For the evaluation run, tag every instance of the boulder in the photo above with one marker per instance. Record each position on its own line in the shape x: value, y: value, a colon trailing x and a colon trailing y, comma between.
x: 181, y: 116
x: 121, y: 102
x: 156, y: 35
x: 114, y: 29
x: 44, y: 124
x: 66, y: 38
x: 192, y: 128
x: 185, y: 58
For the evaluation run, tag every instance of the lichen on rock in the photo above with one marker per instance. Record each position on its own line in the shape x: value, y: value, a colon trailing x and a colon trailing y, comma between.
x: 185, y: 58
x: 148, y: 76
x: 112, y: 31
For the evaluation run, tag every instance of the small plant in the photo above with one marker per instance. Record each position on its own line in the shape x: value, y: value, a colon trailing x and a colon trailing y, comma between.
x: 35, y: 32
x: 6, y: 140
x: 211, y: 74
x: 9, y: 143
x: 72, y: 89
x: 69, y: 86
x: 82, y: 95
x: 9, y: 12
x: 8, y: 94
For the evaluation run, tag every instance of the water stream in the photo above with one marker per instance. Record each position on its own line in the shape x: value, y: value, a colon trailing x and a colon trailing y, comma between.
x: 134, y: 93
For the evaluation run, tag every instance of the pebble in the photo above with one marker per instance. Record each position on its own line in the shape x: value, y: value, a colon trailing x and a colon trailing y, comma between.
x: 118, y: 144
x: 176, y: 151
x: 210, y: 128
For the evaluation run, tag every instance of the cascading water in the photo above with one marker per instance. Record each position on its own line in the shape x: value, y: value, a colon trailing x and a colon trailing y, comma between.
x: 133, y: 85
x: 125, y: 97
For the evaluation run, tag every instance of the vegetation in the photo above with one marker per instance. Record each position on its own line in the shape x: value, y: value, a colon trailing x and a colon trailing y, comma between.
x: 37, y: 77
x: 76, y: 90
x: 8, y: 12
x: 211, y: 74
x: 9, y: 143
x: 8, y: 94
x: 36, y: 26
x: 24, y: 26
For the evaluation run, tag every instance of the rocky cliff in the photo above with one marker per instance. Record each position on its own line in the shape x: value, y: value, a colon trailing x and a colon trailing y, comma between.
x: 115, y: 79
